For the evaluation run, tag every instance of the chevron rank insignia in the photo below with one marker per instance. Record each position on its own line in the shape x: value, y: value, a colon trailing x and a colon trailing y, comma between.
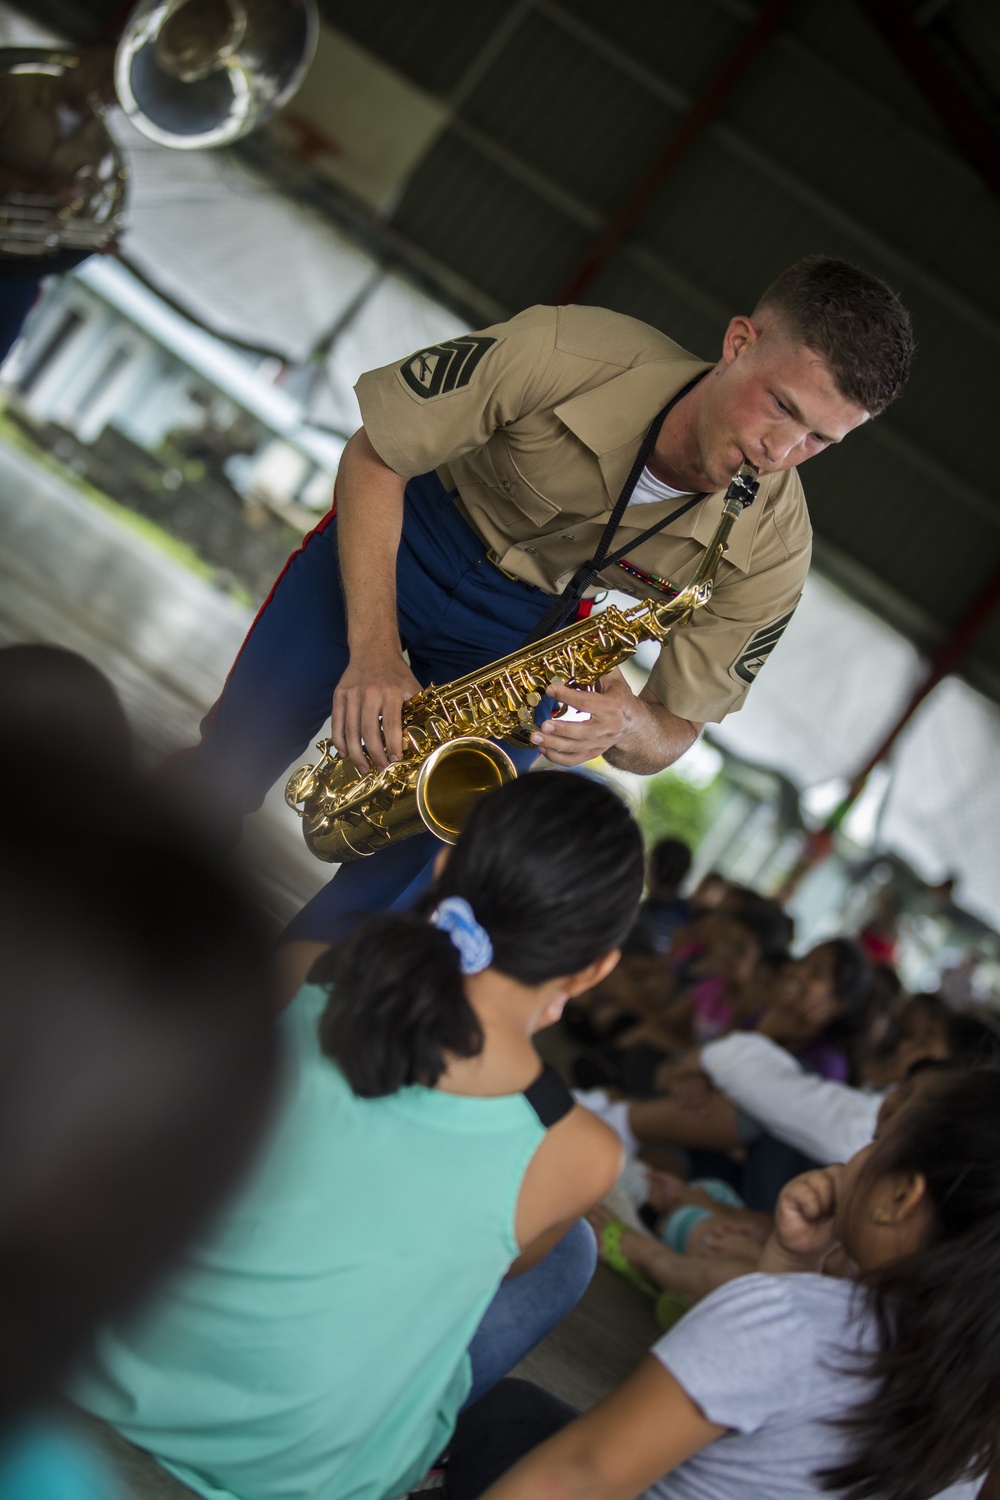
x: 444, y: 367
x: 758, y: 649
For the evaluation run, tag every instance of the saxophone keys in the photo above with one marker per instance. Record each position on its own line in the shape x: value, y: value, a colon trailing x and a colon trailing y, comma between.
x: 533, y: 699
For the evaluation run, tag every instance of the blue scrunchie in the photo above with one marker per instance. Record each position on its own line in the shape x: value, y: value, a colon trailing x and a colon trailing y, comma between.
x: 455, y: 916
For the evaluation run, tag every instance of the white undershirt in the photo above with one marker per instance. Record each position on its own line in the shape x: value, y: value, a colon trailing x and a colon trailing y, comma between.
x: 649, y: 490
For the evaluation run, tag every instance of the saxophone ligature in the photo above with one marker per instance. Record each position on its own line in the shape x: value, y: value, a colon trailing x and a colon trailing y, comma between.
x: 449, y: 755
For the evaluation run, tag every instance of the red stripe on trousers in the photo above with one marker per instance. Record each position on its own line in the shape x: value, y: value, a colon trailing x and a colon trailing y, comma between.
x: 321, y: 526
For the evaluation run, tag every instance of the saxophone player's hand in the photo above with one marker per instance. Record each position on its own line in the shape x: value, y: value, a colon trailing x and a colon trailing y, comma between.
x: 571, y: 742
x: 367, y: 704
x: 634, y: 733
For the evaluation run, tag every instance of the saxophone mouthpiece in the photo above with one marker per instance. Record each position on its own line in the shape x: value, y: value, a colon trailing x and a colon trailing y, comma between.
x: 744, y: 485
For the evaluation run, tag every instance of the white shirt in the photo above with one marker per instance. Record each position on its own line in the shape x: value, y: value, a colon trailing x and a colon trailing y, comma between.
x: 648, y: 490
x: 827, y: 1121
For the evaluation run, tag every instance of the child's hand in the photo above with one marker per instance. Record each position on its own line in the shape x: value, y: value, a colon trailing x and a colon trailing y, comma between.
x: 803, y: 1219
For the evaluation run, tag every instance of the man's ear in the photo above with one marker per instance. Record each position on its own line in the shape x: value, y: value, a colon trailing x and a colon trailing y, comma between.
x: 739, y: 338
x: 585, y: 979
x: 441, y: 858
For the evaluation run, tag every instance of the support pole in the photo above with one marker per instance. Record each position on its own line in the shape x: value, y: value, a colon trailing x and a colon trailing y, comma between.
x: 691, y: 128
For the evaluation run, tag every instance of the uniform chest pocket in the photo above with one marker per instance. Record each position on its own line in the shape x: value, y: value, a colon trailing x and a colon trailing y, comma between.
x: 517, y: 487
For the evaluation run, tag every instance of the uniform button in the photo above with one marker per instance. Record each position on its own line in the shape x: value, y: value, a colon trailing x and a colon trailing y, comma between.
x: 532, y: 550
x: 569, y: 537
x: 507, y: 486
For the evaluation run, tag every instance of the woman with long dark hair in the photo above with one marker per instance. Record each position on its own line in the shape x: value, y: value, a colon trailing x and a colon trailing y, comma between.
x: 796, y: 1384
x: 327, y: 1335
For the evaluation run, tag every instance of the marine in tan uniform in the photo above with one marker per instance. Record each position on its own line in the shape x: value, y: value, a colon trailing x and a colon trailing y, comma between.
x: 481, y: 481
x: 536, y: 422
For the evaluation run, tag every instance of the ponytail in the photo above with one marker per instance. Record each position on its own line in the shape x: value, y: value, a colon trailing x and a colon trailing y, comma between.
x: 549, y: 867
x: 397, y: 1006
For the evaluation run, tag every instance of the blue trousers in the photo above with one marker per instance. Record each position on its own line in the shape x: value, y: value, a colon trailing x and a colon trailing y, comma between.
x: 528, y: 1307
x: 456, y: 612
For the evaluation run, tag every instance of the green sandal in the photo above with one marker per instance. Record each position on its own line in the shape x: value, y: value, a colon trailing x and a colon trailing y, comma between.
x: 669, y: 1307
x: 609, y: 1244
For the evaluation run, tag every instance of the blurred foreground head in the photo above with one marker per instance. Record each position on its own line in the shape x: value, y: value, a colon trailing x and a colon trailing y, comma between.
x: 137, y: 1047
x: 58, y: 698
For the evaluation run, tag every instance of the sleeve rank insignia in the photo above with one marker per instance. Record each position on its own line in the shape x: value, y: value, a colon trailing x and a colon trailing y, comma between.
x: 758, y: 649
x: 444, y: 367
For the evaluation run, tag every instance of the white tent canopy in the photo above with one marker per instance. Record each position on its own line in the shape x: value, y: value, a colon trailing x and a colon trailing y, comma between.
x: 832, y: 689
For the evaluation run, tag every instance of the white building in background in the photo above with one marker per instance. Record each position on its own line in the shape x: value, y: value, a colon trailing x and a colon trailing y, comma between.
x: 101, y: 350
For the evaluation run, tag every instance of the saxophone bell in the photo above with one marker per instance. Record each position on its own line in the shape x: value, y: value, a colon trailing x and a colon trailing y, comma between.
x: 454, y: 777
x: 346, y: 816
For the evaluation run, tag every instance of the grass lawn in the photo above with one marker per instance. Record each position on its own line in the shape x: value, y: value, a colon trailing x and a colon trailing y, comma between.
x: 163, y: 541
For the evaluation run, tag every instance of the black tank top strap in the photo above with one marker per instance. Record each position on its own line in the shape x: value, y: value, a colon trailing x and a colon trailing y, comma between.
x: 549, y: 1097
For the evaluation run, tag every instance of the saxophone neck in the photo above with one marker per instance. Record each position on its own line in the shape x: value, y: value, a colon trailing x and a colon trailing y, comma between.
x: 739, y: 497
x: 741, y: 493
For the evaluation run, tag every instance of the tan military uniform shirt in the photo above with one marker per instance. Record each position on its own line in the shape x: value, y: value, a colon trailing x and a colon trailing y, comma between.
x: 536, y: 423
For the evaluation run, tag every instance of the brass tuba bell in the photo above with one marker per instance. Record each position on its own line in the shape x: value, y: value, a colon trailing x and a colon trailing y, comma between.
x: 196, y: 73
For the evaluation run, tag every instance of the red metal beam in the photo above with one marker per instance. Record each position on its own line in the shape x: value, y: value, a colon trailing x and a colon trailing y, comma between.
x: 690, y: 129
x: 974, y: 135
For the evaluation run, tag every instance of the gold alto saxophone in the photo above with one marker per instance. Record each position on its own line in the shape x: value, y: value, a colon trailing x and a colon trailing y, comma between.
x: 448, y: 758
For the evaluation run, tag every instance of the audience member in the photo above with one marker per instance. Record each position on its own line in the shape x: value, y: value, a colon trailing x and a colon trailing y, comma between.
x: 702, y: 1235
x: 793, y: 1383
x: 817, y: 1005
x: 327, y: 1334
x: 60, y: 700
x: 638, y: 988
x: 709, y: 892
x: 665, y: 909
x: 660, y: 1006
x: 137, y: 1046
x: 829, y: 1121
x: 816, y: 995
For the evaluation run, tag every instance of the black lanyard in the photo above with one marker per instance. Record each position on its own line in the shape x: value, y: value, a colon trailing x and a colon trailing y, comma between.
x: 567, y: 601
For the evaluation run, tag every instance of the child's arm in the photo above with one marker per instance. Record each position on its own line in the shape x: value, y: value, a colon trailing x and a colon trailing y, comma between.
x: 632, y: 1438
x: 577, y: 1163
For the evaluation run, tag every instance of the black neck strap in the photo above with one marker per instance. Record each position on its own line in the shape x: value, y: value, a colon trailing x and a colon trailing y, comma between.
x: 562, y: 606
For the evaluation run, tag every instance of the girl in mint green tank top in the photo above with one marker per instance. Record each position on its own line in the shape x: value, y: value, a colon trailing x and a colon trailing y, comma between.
x: 315, y: 1345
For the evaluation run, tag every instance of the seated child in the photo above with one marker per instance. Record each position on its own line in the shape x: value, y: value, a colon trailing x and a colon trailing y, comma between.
x: 794, y: 1384
x: 701, y: 990
x: 665, y: 909
x: 809, y: 1010
x: 324, y: 1337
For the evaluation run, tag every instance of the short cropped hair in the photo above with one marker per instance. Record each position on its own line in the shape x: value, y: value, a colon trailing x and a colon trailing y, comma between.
x: 853, y: 320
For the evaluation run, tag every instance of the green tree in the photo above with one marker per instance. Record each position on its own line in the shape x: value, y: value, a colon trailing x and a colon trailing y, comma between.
x: 675, y: 807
